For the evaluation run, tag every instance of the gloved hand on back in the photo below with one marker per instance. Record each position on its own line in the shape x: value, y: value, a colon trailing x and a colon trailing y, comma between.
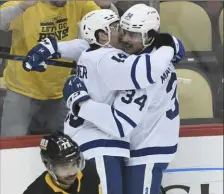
x: 74, y: 92
x: 165, y: 39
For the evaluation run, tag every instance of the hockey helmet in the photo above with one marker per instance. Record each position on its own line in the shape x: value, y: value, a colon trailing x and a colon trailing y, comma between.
x: 59, y: 148
x: 141, y: 18
x: 94, y: 21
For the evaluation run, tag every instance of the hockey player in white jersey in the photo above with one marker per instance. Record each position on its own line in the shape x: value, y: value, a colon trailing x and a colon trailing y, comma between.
x: 99, y: 74
x: 154, y: 141
x: 152, y: 112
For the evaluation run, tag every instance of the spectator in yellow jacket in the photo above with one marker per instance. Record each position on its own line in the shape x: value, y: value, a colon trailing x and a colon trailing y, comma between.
x: 34, y: 100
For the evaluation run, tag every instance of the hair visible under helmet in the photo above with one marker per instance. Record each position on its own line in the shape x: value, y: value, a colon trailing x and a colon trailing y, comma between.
x: 141, y: 18
x: 94, y: 21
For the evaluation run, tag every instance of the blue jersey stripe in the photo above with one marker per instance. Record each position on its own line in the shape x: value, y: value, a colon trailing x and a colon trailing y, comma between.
x: 133, y: 73
x: 119, y: 125
x: 104, y: 143
x: 149, y: 69
x: 126, y: 118
x: 154, y: 151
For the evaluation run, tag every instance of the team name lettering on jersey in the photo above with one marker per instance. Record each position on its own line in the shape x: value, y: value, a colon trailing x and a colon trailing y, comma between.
x: 165, y: 75
x: 81, y: 71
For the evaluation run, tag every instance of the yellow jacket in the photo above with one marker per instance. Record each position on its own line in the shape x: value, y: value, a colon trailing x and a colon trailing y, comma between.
x: 35, y: 24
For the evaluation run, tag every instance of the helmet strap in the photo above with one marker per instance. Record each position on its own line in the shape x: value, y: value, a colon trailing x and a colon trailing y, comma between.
x: 55, y: 178
x: 107, y: 44
x: 151, y: 36
x: 146, y: 45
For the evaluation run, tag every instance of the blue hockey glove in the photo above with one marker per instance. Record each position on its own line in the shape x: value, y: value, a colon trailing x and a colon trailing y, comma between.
x: 180, y: 51
x: 74, y: 92
x: 35, y: 59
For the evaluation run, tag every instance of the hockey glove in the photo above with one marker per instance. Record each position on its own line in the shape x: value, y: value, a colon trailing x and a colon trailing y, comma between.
x: 74, y: 92
x: 165, y: 39
x: 35, y: 59
x: 180, y: 51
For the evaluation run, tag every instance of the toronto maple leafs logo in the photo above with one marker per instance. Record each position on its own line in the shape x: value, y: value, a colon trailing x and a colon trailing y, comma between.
x: 128, y: 16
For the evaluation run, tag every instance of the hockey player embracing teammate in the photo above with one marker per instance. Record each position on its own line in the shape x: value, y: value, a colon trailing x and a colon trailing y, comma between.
x: 124, y: 110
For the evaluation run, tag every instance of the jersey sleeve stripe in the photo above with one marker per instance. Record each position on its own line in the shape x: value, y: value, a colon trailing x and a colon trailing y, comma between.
x: 149, y: 69
x: 119, y: 125
x: 154, y: 151
x: 126, y: 118
x: 104, y: 143
x: 133, y: 73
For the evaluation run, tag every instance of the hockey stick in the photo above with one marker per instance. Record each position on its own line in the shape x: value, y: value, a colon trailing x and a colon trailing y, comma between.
x: 181, y: 80
x: 8, y: 56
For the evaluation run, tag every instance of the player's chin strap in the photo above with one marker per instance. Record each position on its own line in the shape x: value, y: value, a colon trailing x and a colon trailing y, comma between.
x: 149, y: 37
x: 54, y: 176
x: 106, y: 45
x: 148, y: 45
x: 55, y: 179
x: 150, y: 40
x: 145, y: 46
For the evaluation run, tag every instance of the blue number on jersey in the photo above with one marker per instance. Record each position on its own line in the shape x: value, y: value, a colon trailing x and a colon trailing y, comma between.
x: 170, y: 113
x: 129, y: 98
x: 121, y: 57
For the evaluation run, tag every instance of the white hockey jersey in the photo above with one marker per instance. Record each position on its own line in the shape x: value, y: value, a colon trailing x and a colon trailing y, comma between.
x: 105, y: 129
x: 155, y: 139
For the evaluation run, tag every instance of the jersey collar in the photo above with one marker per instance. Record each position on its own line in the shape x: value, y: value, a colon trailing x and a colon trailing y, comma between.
x: 58, y: 189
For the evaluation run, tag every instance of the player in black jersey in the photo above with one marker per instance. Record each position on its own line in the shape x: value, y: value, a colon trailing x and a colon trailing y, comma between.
x: 67, y: 171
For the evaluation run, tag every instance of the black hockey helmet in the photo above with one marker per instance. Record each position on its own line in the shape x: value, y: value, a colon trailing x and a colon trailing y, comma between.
x: 60, y: 148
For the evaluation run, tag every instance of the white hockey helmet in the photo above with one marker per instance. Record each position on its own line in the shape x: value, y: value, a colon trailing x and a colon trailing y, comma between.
x: 97, y: 20
x: 140, y: 18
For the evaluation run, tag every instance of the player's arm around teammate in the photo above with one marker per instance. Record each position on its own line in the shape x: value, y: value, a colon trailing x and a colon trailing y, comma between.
x: 118, y: 63
x: 152, y: 151
x: 118, y: 120
x: 30, y: 102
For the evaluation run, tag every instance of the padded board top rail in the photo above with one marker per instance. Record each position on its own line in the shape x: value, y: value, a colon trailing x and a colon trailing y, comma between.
x: 185, y: 131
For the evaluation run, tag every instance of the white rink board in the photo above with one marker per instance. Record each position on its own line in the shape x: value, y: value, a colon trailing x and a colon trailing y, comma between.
x: 198, y: 163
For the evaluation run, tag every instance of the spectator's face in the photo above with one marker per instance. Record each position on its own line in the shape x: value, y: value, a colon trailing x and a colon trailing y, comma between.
x: 59, y: 3
x: 66, y: 172
x: 132, y: 42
